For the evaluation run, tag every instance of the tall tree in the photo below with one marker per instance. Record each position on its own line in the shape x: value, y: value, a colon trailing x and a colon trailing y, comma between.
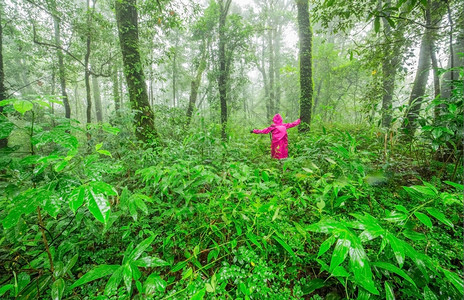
x: 224, y: 6
x: 87, y: 63
x: 306, y: 79
x: 127, y: 20
x: 97, y: 98
x: 391, y: 60
x: 195, y: 84
x: 59, y: 53
x: 3, y: 94
x: 423, y: 66
x: 115, y: 81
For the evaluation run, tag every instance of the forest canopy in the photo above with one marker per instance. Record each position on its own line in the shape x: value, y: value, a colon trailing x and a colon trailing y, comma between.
x: 133, y: 161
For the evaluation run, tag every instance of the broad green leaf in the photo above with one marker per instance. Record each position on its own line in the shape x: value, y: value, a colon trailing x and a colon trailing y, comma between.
x: 377, y: 24
x: 397, y: 248
x: 103, y: 187
x: 425, y: 190
x: 199, y: 295
x: 113, y: 283
x: 359, y: 265
x: 428, y: 294
x: 439, y: 216
x: 98, y: 206
x: 458, y: 186
x: 340, y: 271
x: 32, y: 290
x: 25, y: 203
x: 6, y: 127
x: 389, y: 294
x: 265, y: 176
x: 413, y: 235
x: 418, y: 258
x: 5, y: 289
x: 340, y: 252
x: 22, y: 106
x: 312, y: 285
x: 76, y: 199
x: 52, y: 204
x: 327, y: 226
x: 178, y: 266
x: 252, y: 238
x: 71, y: 263
x: 285, y: 245
x: 61, y: 165
x: 371, y: 227
x: 394, y: 269
x: 154, y: 284
x: 424, y: 219
x: 105, y: 152
x: 98, y: 272
x: 110, y: 129
x: 456, y: 280
x: 127, y: 276
x: 326, y: 245
x: 139, y: 202
x: 149, y: 261
x: 7, y: 101
x: 23, y: 280
x: 300, y: 229
x: 396, y: 217
x: 140, y: 249
x: 58, y: 289
x: 187, y: 273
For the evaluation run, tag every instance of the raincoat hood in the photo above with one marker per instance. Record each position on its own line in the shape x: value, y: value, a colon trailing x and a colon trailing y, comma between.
x: 277, y: 119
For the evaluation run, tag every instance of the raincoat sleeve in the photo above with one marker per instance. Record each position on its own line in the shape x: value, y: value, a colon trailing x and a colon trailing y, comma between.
x: 263, y: 131
x: 293, y: 124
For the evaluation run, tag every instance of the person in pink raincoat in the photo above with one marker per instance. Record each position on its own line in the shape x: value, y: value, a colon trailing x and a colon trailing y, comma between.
x: 279, y: 140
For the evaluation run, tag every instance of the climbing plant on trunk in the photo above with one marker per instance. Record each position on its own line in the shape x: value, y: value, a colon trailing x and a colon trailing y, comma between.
x: 306, y: 79
x: 126, y: 17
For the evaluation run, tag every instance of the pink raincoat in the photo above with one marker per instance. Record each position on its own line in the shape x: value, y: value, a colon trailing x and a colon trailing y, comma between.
x: 279, y: 140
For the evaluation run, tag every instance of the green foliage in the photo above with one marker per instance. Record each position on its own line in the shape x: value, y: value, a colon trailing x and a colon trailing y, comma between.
x: 205, y: 219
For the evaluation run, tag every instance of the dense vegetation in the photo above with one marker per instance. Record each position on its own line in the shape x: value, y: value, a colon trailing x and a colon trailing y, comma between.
x: 142, y: 198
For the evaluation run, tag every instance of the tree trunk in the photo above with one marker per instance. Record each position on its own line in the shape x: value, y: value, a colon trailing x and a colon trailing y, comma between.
x: 454, y: 59
x: 262, y: 68
x: 222, y: 78
x: 3, y: 94
x: 195, y: 84
x: 318, y: 95
x: 418, y: 89
x: 174, y: 74
x: 271, y: 72
x: 389, y: 66
x: 126, y: 16
x: 116, y: 96
x: 87, y: 84
x: 306, y: 80
x: 278, y: 88
x: 61, y: 67
x: 97, y: 98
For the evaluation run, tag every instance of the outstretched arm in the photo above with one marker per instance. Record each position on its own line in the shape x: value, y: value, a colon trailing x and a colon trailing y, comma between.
x: 263, y: 131
x: 293, y: 124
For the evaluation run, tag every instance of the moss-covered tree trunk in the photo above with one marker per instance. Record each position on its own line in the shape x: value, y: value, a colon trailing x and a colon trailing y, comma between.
x: 3, y: 94
x: 306, y: 79
x: 195, y: 84
x: 126, y: 17
x: 222, y: 78
x: 390, y: 63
